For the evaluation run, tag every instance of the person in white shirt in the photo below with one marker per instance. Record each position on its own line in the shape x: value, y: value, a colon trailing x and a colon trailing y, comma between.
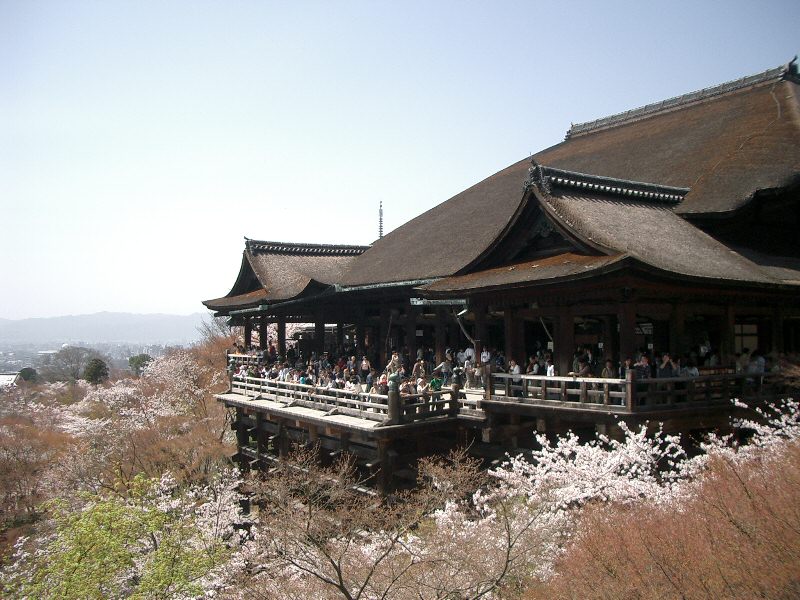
x: 486, y: 356
x: 551, y: 369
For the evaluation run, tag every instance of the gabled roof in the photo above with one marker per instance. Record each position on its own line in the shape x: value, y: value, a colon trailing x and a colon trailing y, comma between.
x: 448, y: 237
x: 279, y: 271
x: 625, y: 223
x: 567, y: 265
x: 723, y: 143
x: 648, y: 231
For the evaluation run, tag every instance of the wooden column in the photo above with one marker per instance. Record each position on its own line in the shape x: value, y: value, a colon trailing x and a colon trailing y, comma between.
x: 727, y: 345
x: 411, y: 333
x: 282, y: 337
x: 627, y: 330
x: 677, y: 321
x: 319, y: 334
x: 248, y: 332
x: 510, y: 333
x: 439, y: 336
x: 362, y: 349
x: 262, y: 333
x: 382, y: 339
x: 778, y: 344
x: 340, y: 336
x: 565, y: 342
x: 479, y: 313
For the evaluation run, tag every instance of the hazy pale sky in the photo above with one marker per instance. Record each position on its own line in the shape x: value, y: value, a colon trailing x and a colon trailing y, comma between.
x: 140, y: 141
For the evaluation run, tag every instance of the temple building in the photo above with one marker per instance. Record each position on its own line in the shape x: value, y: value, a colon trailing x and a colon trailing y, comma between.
x: 669, y: 227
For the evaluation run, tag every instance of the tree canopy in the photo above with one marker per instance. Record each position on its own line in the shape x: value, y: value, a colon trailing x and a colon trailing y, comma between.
x: 96, y: 371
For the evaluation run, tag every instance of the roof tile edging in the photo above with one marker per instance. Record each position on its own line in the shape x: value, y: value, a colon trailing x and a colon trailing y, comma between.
x: 545, y: 177
x: 787, y: 72
x: 305, y: 248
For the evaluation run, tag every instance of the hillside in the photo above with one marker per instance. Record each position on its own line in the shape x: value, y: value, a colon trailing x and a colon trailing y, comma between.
x: 103, y: 327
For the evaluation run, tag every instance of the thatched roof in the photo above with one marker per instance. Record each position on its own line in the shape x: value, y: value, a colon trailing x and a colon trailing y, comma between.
x: 546, y: 270
x: 723, y: 143
x: 624, y: 223
x: 446, y: 238
x: 279, y: 271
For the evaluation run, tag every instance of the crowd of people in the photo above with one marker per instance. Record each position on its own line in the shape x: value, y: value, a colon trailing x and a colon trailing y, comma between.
x: 346, y: 369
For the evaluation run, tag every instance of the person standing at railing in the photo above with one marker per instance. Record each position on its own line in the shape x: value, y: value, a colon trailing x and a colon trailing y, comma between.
x: 667, y: 368
x: 550, y: 368
x: 516, y: 377
x: 625, y: 367
x: 436, y: 381
x: 469, y: 371
x: 609, y: 372
x: 365, y: 369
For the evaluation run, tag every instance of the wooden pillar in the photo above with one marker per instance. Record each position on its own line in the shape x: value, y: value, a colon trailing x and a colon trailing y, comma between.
x: 479, y: 313
x: 677, y: 334
x: 248, y: 332
x: 727, y: 348
x: 411, y: 333
x: 439, y: 336
x: 627, y: 330
x: 385, y: 473
x: 319, y: 334
x: 565, y: 342
x: 360, y: 342
x: 282, y: 337
x: 382, y: 338
x: 778, y: 344
x: 282, y: 440
x: 262, y: 333
x: 261, y: 437
x: 340, y: 337
x: 510, y: 333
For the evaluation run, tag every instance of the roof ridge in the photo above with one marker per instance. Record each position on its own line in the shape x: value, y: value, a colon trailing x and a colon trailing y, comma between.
x: 304, y: 248
x: 786, y: 72
x: 544, y: 177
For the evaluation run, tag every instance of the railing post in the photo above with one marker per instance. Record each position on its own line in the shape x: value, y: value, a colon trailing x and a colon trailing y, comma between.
x: 394, y: 407
x: 584, y: 392
x: 456, y: 388
x: 630, y: 390
x: 488, y: 384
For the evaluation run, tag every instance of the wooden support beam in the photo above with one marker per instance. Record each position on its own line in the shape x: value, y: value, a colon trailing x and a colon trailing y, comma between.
x: 411, y: 332
x: 627, y: 330
x: 319, y: 334
x: 248, y: 332
x: 439, y: 335
x: 778, y: 343
x: 565, y: 342
x: 282, y: 337
x: 263, y: 342
x: 479, y: 313
x: 727, y: 349
x: 339, y: 337
x: 677, y: 327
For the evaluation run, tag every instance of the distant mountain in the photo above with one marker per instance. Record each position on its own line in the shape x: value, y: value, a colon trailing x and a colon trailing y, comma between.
x: 104, y: 327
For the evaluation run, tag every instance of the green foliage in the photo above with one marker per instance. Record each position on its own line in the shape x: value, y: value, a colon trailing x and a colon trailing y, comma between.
x: 143, y: 545
x: 96, y: 371
x: 138, y: 363
x: 29, y: 374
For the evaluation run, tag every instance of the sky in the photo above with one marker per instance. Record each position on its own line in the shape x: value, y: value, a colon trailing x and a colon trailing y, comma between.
x: 140, y: 142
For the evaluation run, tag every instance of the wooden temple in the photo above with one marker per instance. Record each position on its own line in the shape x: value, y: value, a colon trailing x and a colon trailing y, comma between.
x: 667, y: 227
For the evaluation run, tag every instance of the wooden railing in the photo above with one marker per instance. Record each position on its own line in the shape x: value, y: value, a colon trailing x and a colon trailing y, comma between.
x: 631, y: 394
x: 357, y: 404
